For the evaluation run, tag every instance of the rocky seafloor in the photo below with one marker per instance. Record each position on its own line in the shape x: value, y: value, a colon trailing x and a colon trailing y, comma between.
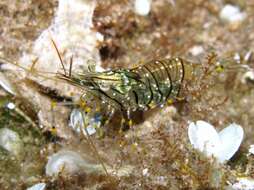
x: 173, y: 147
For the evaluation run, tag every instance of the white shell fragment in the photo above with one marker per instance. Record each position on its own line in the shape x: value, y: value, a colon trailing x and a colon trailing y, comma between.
x: 222, y: 145
x: 230, y: 140
x: 6, y: 84
x: 10, y: 106
x: 76, y: 122
x: 99, y: 68
x: 10, y: 141
x: 196, y: 50
x: 244, y: 184
x: 248, y: 77
x: 142, y: 7
x: 145, y: 172
x: 203, y: 137
x: 251, y: 149
x: 231, y: 14
x: 69, y: 162
x: 38, y: 186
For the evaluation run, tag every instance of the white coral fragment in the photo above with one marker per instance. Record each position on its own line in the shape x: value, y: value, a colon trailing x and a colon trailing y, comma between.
x: 71, y: 29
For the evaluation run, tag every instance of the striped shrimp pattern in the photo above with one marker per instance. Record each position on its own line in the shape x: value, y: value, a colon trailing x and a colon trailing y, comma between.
x: 140, y: 88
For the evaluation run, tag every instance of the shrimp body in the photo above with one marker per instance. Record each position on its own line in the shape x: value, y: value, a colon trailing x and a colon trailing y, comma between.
x: 136, y: 89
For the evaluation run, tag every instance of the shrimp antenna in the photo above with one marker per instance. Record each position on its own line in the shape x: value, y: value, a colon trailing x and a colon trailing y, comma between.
x: 70, y: 68
x: 59, y: 56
